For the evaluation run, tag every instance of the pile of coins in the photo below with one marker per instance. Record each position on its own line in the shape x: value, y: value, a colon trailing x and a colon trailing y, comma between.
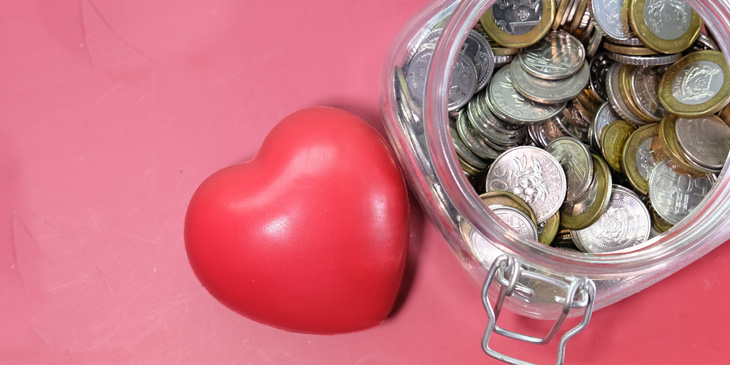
x: 589, y: 125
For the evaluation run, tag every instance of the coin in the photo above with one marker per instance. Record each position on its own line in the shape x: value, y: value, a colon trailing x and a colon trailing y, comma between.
x: 697, y: 85
x: 517, y: 220
x: 465, y: 153
x: 587, y: 209
x: 472, y: 140
x: 556, y: 56
x: 633, y: 41
x: 548, y: 91
x: 608, y: 18
x: 545, y: 132
x: 629, y: 50
x: 604, y: 116
x: 666, y: 26
x: 658, y: 222
x: 512, y: 106
x: 613, y: 81
x: 626, y: 223
x: 561, y: 12
x: 643, y: 88
x: 573, y: 123
x: 639, y: 158
x: 657, y: 60
x: 613, y: 139
x: 548, y: 230
x: 706, y: 140
x: 675, y: 194
x: 462, y: 85
x: 532, y: 174
x: 506, y: 198
x: 704, y: 43
x: 600, y: 64
x: 577, y: 164
x: 670, y: 144
x: 518, y: 23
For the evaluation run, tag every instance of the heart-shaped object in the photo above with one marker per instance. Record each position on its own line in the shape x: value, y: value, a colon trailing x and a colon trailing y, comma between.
x: 310, y: 235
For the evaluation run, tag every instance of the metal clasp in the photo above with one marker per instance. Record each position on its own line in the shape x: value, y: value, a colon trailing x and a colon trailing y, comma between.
x: 507, y: 272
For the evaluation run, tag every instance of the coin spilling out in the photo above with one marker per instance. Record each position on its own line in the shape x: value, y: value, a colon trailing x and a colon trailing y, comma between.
x: 588, y: 125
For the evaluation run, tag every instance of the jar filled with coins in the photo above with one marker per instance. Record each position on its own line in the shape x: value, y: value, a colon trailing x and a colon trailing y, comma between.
x: 571, y: 152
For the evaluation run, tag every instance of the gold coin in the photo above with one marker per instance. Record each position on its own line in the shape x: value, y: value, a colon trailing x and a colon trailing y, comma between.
x: 550, y: 229
x: 613, y: 139
x: 629, y: 50
x: 469, y: 170
x: 578, y: 17
x: 629, y: 95
x: 510, y: 200
x: 587, y: 105
x: 562, y: 7
x: 503, y: 51
x: 667, y: 39
x: 536, y: 24
x: 696, y: 85
x: 638, y: 158
x: 586, y: 211
x: 658, y: 222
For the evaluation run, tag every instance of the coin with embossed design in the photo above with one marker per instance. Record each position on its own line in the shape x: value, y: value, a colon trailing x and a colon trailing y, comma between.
x: 626, y: 223
x: 516, y: 220
x: 518, y: 23
x: 577, y: 164
x: 604, y: 117
x: 514, y: 107
x: 613, y: 139
x: 557, y: 56
x: 697, y: 85
x: 585, y: 211
x: 534, y: 175
x: 643, y: 88
x: 640, y: 157
x: 548, y: 91
x: 609, y: 19
x: 706, y: 140
x: 506, y: 198
x: 666, y: 26
x: 462, y: 85
x: 674, y: 194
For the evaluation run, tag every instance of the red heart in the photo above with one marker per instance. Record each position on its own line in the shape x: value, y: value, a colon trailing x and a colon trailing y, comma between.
x: 311, y: 234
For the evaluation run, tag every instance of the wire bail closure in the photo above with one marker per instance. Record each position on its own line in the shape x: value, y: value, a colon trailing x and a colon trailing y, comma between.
x: 507, y: 272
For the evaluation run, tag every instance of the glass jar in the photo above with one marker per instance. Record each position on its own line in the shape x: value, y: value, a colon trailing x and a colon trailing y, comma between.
x: 523, y: 275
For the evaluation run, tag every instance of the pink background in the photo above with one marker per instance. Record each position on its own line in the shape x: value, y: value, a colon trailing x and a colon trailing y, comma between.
x: 112, y: 113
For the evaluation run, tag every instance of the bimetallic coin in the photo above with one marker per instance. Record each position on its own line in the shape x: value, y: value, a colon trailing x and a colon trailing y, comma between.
x: 604, y: 117
x: 586, y: 210
x: 613, y: 140
x: 518, y: 23
x: 548, y: 91
x: 577, y: 164
x: 462, y: 86
x: 517, y: 220
x: 508, y: 199
x: 697, y: 85
x: 639, y: 158
x: 658, y: 60
x: 626, y: 223
x: 557, y: 56
x: 706, y: 140
x: 609, y: 18
x: 670, y: 144
x: 675, y: 194
x: 511, y: 106
x: 666, y: 26
x: 532, y: 174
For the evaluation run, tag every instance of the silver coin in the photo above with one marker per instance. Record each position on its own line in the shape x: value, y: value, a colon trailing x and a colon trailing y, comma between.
x: 548, y: 91
x: 704, y: 43
x: 532, y: 174
x: 462, y: 85
x: 546, y: 132
x: 633, y: 41
x: 556, y: 56
x: 516, y: 220
x: 646, y: 87
x: 646, y: 157
x: 472, y: 140
x: 464, y: 152
x: 594, y: 44
x: 502, y: 60
x: 514, y: 107
x: 667, y: 19
x: 659, y: 60
x: 626, y: 223
x: 698, y: 82
x: 609, y: 18
x: 675, y: 194
x: 706, y: 141
x: 600, y: 64
x: 577, y: 164
x: 517, y: 17
x: 582, y: 204
x: 613, y: 80
x: 604, y: 116
x: 475, y: 46
x: 573, y: 123
x: 570, y: 11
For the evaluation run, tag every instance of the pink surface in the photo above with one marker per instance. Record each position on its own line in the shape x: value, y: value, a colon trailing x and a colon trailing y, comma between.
x: 112, y: 113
